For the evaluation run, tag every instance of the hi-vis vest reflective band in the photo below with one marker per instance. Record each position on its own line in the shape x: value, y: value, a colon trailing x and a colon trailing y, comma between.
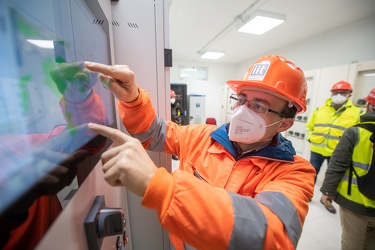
x: 361, y: 161
x: 329, y: 125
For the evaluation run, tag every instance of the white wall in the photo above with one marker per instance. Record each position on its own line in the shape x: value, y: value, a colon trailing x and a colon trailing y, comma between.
x: 351, y: 43
x: 354, y: 42
x: 342, y: 46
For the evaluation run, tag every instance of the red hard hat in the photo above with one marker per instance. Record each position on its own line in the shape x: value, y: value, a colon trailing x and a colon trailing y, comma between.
x: 277, y: 76
x: 342, y: 85
x: 371, y: 97
x: 172, y: 93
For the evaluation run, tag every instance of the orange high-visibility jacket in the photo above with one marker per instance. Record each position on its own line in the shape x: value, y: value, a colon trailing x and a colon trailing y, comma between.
x: 217, y: 200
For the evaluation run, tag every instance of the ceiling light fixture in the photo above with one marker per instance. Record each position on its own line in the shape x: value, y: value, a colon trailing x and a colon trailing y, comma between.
x: 44, y: 44
x: 212, y: 55
x: 261, y: 22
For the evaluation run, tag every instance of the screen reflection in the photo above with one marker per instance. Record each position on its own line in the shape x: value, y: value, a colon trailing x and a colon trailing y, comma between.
x: 47, y: 97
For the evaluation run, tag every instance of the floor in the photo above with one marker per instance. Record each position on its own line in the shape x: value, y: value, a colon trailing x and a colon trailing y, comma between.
x: 322, y: 230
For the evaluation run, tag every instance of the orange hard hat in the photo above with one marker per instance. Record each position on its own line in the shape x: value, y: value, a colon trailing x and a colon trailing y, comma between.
x: 342, y: 85
x: 370, y: 98
x: 277, y: 76
x: 172, y: 93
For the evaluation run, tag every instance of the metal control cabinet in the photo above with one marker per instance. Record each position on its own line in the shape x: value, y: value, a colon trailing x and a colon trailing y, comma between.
x: 139, y: 37
x: 140, y: 32
x: 181, y: 97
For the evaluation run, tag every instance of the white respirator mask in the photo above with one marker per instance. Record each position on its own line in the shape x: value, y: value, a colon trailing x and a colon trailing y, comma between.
x: 246, y: 126
x: 339, y: 99
x: 173, y: 100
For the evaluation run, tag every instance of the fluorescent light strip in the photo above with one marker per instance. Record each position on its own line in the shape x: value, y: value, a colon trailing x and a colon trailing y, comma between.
x: 44, y: 44
x: 261, y: 22
x: 212, y: 55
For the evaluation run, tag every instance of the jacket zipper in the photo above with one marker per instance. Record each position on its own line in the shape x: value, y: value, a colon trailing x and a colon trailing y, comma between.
x: 196, y: 174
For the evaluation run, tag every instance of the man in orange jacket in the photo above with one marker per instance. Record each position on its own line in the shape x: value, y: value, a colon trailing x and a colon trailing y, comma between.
x: 239, y: 186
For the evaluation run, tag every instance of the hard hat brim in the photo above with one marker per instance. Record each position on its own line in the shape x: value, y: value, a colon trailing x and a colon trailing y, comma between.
x: 238, y: 85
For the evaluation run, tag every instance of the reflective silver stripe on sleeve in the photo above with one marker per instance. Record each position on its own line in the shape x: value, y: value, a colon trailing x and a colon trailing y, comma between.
x: 157, y: 132
x: 250, y: 224
x: 280, y: 205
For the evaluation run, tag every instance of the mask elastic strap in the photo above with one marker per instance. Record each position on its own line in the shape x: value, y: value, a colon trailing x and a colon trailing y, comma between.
x: 269, y: 125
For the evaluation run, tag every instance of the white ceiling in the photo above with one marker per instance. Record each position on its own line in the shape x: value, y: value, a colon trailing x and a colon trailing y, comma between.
x: 199, y: 25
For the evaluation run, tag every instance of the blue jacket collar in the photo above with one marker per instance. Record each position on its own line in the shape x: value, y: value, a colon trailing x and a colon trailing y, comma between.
x: 282, y: 151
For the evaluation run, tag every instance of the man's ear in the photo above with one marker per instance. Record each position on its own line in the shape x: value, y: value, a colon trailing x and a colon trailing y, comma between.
x: 285, y: 124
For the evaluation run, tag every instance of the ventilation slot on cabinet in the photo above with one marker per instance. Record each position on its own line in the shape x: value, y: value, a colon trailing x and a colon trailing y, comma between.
x: 133, y: 25
x: 96, y: 21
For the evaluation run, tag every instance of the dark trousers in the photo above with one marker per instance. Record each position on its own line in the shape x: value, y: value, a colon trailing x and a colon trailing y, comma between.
x: 317, y: 161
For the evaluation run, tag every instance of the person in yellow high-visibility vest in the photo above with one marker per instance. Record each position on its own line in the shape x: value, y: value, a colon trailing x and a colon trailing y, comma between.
x: 357, y: 210
x: 327, y: 124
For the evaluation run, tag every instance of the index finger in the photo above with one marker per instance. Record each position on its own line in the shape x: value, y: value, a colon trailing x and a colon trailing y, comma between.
x: 114, y: 134
x: 114, y: 71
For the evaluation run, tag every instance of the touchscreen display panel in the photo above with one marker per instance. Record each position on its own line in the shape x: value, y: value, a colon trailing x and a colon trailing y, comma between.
x: 46, y: 96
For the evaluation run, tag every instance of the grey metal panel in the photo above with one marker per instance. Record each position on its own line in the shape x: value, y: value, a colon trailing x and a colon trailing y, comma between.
x: 140, y: 36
